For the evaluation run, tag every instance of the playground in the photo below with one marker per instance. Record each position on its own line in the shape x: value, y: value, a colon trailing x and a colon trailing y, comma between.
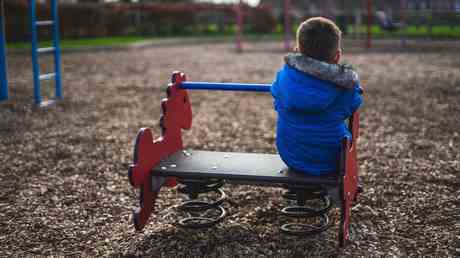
x: 63, y: 174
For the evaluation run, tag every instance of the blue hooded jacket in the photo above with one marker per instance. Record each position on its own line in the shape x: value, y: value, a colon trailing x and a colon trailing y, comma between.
x: 311, y: 119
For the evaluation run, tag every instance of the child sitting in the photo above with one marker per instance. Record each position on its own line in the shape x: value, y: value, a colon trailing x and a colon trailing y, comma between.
x: 313, y: 95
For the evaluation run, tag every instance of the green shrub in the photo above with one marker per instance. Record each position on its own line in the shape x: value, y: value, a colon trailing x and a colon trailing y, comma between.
x: 440, y: 31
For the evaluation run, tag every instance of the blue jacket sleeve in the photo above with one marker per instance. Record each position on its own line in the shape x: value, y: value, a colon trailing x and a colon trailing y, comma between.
x: 357, y: 99
x: 274, y: 92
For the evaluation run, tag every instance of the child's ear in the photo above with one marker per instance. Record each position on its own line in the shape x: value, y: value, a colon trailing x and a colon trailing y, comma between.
x: 337, y: 57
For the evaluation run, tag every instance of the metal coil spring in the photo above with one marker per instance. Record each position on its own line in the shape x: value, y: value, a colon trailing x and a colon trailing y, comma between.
x: 193, y: 188
x: 301, y: 195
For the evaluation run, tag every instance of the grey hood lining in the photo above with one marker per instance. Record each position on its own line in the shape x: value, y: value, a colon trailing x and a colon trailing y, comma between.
x: 341, y: 75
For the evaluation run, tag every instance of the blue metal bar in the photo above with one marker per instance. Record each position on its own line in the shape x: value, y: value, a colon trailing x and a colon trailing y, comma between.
x: 3, y: 68
x: 226, y: 86
x: 47, y: 76
x: 45, y: 50
x: 57, y: 50
x: 35, y: 65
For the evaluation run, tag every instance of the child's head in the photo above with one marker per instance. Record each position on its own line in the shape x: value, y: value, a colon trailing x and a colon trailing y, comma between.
x: 320, y: 39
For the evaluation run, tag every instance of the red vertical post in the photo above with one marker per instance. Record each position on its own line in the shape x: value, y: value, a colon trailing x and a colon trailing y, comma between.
x: 403, y: 10
x: 369, y: 24
x: 287, y: 25
x: 239, y: 23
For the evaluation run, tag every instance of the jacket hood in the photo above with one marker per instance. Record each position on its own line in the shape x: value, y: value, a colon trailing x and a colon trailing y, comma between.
x: 341, y: 75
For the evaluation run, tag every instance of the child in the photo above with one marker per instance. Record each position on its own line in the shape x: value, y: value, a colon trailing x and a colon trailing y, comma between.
x: 313, y: 95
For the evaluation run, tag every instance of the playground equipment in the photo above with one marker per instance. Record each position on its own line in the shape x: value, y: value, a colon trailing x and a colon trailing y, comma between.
x: 36, y: 51
x: 165, y: 162
x: 369, y: 23
x: 287, y: 25
x: 3, y: 68
x: 385, y: 22
x: 55, y: 49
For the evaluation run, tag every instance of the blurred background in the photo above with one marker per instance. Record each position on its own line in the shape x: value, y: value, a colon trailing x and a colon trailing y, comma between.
x: 139, y: 19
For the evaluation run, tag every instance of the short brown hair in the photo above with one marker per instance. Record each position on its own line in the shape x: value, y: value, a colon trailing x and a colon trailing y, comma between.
x: 319, y: 38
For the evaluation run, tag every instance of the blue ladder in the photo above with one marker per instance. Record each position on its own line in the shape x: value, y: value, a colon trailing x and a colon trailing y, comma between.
x: 55, y: 49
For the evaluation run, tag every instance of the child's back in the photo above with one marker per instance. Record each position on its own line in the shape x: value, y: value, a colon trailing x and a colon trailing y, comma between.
x: 313, y: 98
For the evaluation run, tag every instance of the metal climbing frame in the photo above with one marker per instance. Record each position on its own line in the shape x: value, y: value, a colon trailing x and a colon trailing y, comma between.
x: 36, y: 51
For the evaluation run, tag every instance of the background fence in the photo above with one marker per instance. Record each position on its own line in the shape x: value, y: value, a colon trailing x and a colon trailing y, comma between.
x: 101, y: 20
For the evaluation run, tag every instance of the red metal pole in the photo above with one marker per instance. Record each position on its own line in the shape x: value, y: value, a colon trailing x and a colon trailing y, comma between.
x: 403, y: 21
x: 239, y: 22
x: 287, y: 25
x: 369, y: 24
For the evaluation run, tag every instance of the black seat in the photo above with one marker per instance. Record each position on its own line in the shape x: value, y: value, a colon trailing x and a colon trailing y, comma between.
x: 247, y: 168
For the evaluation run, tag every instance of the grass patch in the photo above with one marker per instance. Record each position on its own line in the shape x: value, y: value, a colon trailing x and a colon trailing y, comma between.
x: 423, y: 31
x: 439, y: 31
x: 79, y: 43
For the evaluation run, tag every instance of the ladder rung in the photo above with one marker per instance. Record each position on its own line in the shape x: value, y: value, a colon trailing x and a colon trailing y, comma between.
x: 45, y: 50
x: 44, y: 23
x: 48, y: 76
x: 47, y: 103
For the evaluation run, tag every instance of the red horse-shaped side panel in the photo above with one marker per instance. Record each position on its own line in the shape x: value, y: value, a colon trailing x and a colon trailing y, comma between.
x: 350, y: 179
x: 177, y: 115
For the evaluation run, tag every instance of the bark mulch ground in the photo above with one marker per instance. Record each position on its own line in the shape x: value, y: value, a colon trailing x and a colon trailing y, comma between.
x: 64, y: 189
